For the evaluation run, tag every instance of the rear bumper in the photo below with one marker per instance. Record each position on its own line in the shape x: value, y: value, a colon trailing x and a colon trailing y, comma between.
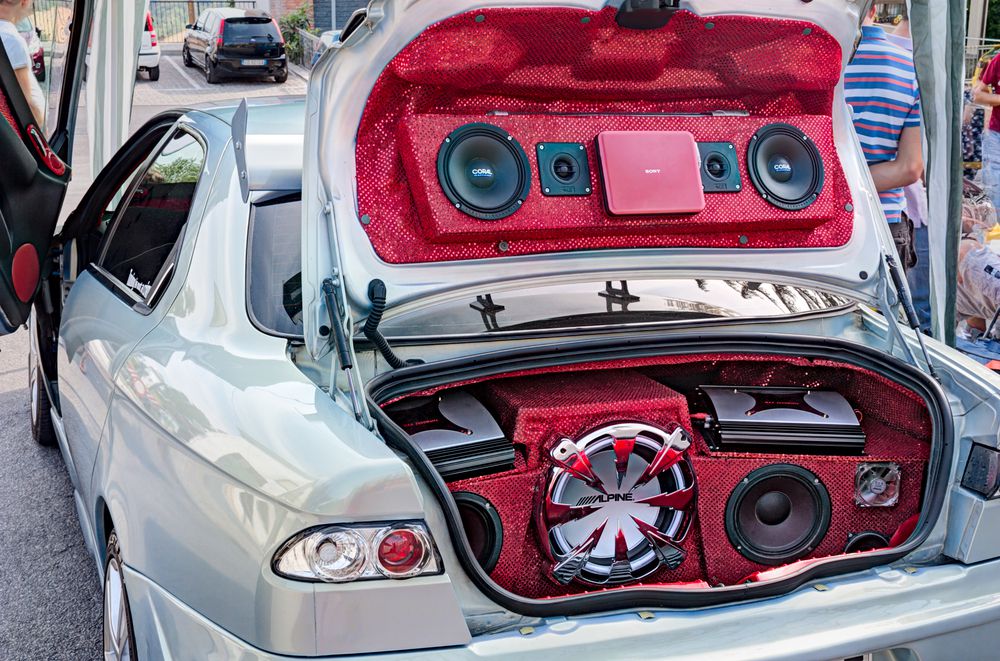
x: 149, y: 59
x: 950, y: 611
x: 233, y: 66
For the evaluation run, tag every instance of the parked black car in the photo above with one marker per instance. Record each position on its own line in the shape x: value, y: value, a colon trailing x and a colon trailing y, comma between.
x: 235, y: 42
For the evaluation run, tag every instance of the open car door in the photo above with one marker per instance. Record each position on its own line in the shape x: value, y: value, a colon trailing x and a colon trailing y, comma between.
x: 35, y: 166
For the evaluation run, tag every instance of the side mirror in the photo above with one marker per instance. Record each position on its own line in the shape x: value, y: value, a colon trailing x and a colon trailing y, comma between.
x: 190, y: 26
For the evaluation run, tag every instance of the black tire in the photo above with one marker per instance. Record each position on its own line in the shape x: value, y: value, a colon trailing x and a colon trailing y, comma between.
x: 281, y: 76
x: 186, y: 57
x: 154, y: 72
x: 114, y: 564
x: 41, y: 409
x: 211, y: 77
x: 41, y: 75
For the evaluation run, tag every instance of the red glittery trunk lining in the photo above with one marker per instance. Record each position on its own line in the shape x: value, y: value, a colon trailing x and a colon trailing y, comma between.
x: 540, y: 64
x: 537, y: 407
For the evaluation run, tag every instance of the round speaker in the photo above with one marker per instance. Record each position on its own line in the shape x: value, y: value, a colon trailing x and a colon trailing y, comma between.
x: 785, y: 166
x: 619, y: 501
x: 482, y: 527
x: 866, y: 540
x: 777, y: 514
x: 483, y: 171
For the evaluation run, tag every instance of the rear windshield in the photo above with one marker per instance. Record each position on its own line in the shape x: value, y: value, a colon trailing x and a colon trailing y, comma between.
x: 245, y: 29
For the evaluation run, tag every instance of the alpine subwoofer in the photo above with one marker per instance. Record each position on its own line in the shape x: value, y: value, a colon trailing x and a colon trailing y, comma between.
x: 785, y: 166
x: 777, y: 514
x: 483, y: 171
x: 482, y: 527
x: 618, y: 503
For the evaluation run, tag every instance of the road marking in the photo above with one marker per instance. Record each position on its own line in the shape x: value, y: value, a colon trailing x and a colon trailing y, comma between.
x: 183, y: 73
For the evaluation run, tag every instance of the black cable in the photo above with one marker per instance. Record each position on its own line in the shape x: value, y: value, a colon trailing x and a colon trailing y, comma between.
x: 376, y: 294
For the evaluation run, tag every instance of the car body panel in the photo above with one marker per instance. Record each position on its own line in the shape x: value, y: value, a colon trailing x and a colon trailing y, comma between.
x: 867, y: 612
x: 334, y: 239
x: 213, y: 412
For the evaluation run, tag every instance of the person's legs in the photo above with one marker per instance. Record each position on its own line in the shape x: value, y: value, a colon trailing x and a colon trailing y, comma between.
x: 991, y: 166
x: 919, y: 278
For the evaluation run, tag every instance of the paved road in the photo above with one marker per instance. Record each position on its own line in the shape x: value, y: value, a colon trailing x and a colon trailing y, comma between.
x: 50, y: 598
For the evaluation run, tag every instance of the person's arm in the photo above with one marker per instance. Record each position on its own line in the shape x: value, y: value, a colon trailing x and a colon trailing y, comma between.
x: 24, y: 80
x: 982, y: 95
x: 908, y: 166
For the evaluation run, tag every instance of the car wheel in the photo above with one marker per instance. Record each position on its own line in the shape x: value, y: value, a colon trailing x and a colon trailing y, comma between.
x: 281, y: 76
x: 154, y: 72
x: 210, y: 76
x: 119, y: 637
x: 41, y: 410
x: 41, y: 75
x: 186, y: 57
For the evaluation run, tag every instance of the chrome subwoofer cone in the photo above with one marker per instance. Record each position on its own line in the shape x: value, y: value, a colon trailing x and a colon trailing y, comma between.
x: 617, y: 504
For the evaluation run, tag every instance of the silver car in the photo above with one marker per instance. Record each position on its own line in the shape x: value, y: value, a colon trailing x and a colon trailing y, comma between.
x: 560, y: 328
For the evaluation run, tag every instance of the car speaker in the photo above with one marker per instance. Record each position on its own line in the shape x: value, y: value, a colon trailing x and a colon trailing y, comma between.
x: 483, y: 171
x: 563, y: 168
x: 483, y: 527
x: 720, y: 171
x: 618, y: 504
x: 866, y: 540
x: 785, y: 166
x: 777, y: 514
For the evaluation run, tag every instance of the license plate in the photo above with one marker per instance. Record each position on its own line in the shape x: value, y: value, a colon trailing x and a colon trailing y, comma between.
x: 253, y: 63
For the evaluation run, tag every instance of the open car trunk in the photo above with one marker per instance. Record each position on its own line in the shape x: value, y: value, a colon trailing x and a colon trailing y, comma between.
x: 568, y: 473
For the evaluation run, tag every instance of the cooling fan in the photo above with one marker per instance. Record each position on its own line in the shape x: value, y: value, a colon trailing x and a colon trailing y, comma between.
x: 617, y: 505
x: 877, y: 484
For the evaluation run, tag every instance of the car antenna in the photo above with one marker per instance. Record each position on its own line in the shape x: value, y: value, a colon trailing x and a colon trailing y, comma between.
x: 239, y: 128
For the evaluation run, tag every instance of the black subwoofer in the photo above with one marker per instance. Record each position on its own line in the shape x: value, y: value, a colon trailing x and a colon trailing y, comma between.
x: 482, y: 527
x: 483, y: 171
x: 785, y: 166
x: 777, y: 514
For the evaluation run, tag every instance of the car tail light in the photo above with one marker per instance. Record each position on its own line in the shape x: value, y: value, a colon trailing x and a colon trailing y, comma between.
x: 151, y: 30
x: 222, y: 32
x: 982, y: 471
x: 341, y: 554
x: 281, y: 36
x: 401, y: 552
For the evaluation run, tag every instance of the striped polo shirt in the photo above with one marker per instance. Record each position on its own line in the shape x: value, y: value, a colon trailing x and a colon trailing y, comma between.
x: 880, y: 85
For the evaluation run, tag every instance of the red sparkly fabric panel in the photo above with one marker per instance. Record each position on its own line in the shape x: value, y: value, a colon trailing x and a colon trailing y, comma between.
x: 533, y: 61
x: 580, y: 222
x: 7, y: 113
x: 536, y: 407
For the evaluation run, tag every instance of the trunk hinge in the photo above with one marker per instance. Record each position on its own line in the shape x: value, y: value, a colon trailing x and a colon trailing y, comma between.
x: 891, y: 301
x: 340, y: 333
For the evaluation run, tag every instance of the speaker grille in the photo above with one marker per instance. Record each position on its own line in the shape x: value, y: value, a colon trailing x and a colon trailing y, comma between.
x: 785, y: 166
x: 777, y: 514
x: 483, y: 171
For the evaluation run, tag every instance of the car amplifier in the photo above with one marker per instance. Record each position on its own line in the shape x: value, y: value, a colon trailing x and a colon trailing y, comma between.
x: 785, y: 420
x: 475, y: 446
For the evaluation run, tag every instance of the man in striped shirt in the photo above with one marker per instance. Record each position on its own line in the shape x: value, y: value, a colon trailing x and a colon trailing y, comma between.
x: 880, y: 85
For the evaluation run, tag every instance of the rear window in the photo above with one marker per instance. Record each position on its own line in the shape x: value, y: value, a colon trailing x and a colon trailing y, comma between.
x: 274, y: 280
x: 245, y: 29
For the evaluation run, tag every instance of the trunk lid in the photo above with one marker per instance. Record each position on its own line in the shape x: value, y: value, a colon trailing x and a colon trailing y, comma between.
x: 395, y: 89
